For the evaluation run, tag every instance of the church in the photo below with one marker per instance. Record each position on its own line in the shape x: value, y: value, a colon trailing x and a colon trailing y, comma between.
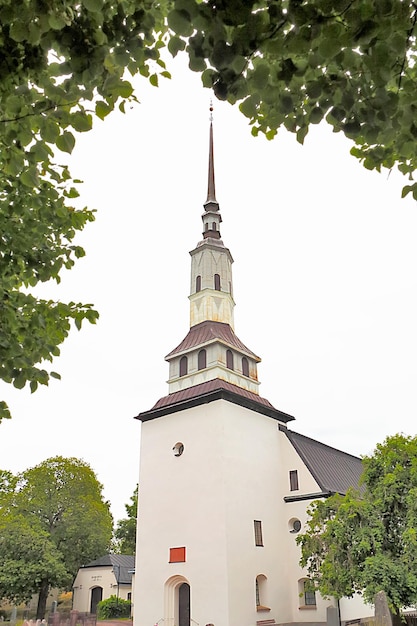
x: 224, y: 481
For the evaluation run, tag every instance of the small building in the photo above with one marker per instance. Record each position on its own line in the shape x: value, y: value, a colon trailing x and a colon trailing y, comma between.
x: 110, y: 575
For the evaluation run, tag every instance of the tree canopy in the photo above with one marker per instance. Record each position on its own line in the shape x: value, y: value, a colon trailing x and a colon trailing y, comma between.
x: 293, y: 63
x: 367, y: 542
x: 125, y: 533
x: 289, y: 63
x: 53, y: 521
x: 60, y: 63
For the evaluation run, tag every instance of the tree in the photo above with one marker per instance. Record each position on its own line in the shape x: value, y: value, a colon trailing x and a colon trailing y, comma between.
x: 294, y: 63
x: 53, y: 522
x: 126, y: 528
x: 367, y: 542
x: 60, y: 63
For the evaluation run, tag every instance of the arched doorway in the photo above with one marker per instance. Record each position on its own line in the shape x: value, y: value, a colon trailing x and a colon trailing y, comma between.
x: 177, y: 602
x: 96, y: 597
x: 184, y: 617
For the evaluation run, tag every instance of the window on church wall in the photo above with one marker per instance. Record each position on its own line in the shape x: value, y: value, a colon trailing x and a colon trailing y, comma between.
x: 261, y: 593
x: 202, y: 359
x: 245, y: 367
x: 229, y: 360
x: 257, y: 527
x: 183, y: 366
x: 213, y: 226
x: 307, y: 594
x: 294, y: 480
x: 198, y: 283
x: 217, y: 282
x: 206, y: 226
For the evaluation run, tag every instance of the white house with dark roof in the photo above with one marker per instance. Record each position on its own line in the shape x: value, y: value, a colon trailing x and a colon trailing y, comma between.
x: 224, y: 483
x: 110, y: 575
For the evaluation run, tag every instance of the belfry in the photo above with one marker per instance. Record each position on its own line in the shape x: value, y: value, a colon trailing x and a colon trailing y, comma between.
x: 224, y: 484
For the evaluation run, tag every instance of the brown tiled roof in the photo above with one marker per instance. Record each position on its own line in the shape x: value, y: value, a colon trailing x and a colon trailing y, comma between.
x: 207, y: 332
x: 334, y: 471
x: 208, y: 392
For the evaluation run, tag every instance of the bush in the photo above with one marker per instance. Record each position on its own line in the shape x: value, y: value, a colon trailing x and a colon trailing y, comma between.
x: 113, y: 607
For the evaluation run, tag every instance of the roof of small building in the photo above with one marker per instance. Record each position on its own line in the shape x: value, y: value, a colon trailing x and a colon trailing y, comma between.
x: 207, y: 332
x: 209, y: 391
x: 334, y: 471
x: 122, y: 564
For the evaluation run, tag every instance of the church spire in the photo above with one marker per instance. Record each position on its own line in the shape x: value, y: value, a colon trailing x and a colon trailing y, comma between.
x: 211, y: 189
x: 211, y: 350
x: 211, y: 217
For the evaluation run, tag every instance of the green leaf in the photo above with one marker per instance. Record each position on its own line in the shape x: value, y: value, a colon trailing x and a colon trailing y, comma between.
x: 81, y: 121
x: 208, y: 77
x: 13, y: 105
x: 55, y: 375
x: 95, y: 6
x: 153, y: 79
x: 18, y: 31
x: 180, y: 23
x: 124, y: 89
x: 4, y: 411
x: 301, y: 134
x: 249, y: 106
x: 66, y: 142
x: 56, y: 21
x: 49, y: 130
x: 175, y: 45
x: 102, y: 109
x: 260, y: 76
x: 30, y: 177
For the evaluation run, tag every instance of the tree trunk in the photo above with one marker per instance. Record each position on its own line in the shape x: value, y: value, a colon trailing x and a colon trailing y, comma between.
x: 43, y: 596
x: 397, y: 619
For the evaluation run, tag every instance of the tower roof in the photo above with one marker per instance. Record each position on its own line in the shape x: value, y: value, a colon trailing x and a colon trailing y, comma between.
x: 207, y: 332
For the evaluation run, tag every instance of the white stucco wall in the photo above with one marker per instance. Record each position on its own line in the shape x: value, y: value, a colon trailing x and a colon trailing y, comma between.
x: 234, y: 470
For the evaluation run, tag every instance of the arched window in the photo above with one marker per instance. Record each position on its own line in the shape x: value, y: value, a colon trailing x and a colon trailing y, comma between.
x: 261, y: 592
x: 217, y: 282
x: 245, y: 366
x: 306, y: 593
x: 213, y: 226
x: 206, y: 226
x: 229, y: 359
x: 202, y: 359
x: 183, y: 366
x: 198, y: 283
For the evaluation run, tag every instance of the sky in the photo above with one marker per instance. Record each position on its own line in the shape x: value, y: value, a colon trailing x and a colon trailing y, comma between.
x: 324, y: 282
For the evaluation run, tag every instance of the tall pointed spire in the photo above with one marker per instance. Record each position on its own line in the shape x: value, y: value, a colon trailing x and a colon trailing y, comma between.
x: 211, y: 189
x: 211, y: 218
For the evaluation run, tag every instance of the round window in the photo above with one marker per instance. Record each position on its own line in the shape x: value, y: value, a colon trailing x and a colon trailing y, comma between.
x: 294, y: 525
x: 178, y: 449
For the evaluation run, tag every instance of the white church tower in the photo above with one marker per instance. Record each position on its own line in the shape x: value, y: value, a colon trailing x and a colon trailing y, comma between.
x: 223, y: 484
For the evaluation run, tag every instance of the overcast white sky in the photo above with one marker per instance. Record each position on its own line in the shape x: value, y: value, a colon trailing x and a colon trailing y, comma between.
x: 324, y: 282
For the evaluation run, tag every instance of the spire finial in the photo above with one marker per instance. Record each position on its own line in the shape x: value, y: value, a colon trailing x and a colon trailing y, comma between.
x: 211, y: 191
